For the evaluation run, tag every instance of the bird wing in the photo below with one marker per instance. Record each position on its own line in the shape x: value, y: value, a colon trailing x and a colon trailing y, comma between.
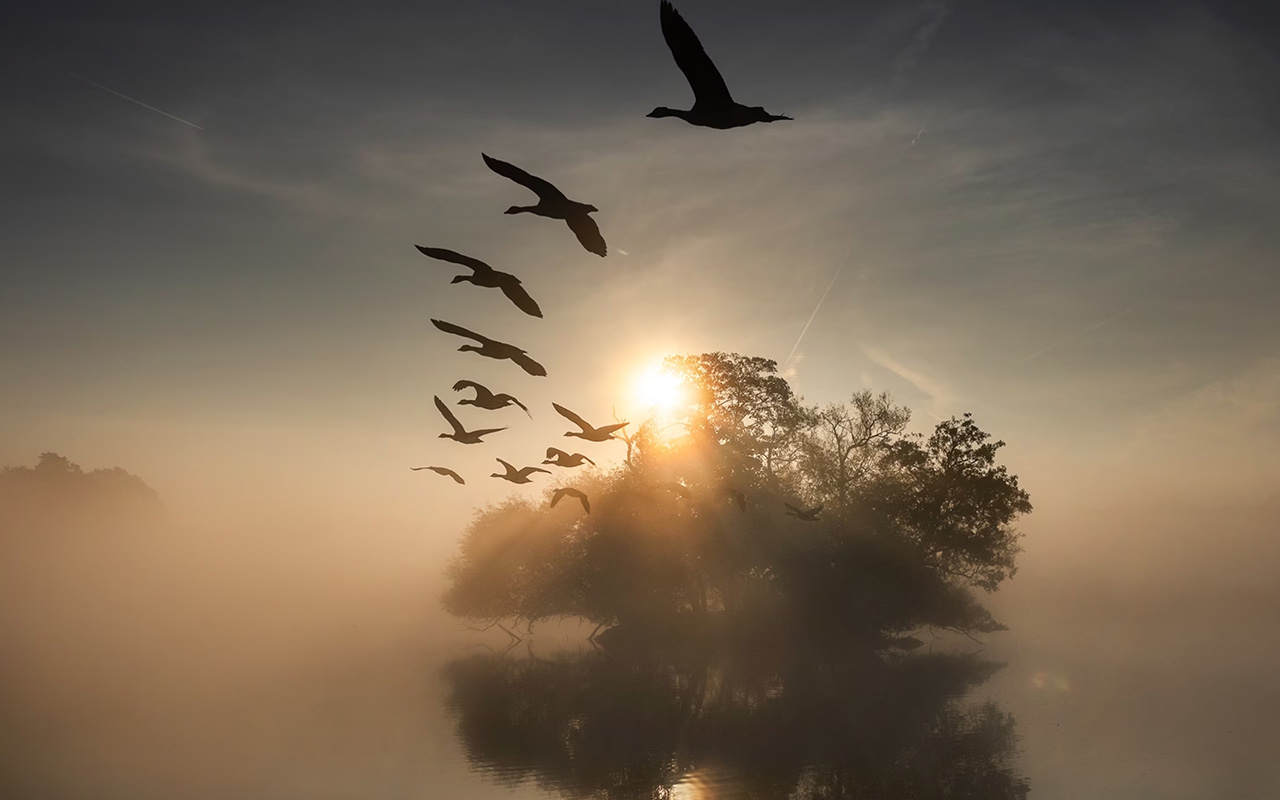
x: 793, y: 508
x: 448, y: 415
x: 555, y: 452
x: 486, y: 432
x: 581, y: 495
x: 516, y: 294
x: 511, y: 400
x: 458, y: 330
x: 454, y: 258
x: 588, y: 233
x: 612, y: 428
x: 557, y: 495
x: 528, y: 364
x: 542, y: 188
x: 584, y: 458
x: 480, y: 390
x: 446, y: 471
x: 509, y: 468
x: 572, y: 417
x: 705, y: 80
x: 815, y: 510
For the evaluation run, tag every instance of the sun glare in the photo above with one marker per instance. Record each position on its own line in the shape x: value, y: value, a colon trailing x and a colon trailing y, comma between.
x: 658, y: 390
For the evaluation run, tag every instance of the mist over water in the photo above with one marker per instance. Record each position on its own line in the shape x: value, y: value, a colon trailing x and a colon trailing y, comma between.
x: 213, y: 660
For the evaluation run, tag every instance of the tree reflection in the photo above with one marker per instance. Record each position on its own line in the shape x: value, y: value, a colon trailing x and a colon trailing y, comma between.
x: 598, y: 725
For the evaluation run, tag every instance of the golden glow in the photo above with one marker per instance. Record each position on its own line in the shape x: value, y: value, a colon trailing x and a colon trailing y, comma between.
x: 658, y: 391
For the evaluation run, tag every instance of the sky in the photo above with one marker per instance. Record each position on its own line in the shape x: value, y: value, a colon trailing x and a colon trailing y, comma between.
x: 1055, y: 216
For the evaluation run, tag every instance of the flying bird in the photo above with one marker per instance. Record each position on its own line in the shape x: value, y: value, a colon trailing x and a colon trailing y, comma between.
x: 492, y: 348
x: 591, y: 434
x: 486, y: 399
x: 713, y: 106
x: 737, y: 497
x: 484, y: 275
x: 517, y: 475
x: 461, y: 434
x: 677, y: 487
x: 562, y: 459
x: 571, y: 492
x: 806, y: 515
x: 553, y: 203
x: 442, y: 471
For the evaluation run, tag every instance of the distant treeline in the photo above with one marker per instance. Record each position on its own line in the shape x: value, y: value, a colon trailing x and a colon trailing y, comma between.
x: 692, y: 532
x: 57, y: 491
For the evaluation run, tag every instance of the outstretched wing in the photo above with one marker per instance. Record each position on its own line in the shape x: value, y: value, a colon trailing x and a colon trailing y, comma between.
x: 516, y: 294
x: 584, y: 458
x: 586, y: 504
x: 486, y: 432
x: 793, y: 509
x: 480, y: 390
x: 448, y: 415
x: 529, y: 365
x: 441, y: 254
x: 542, y: 188
x: 446, y: 471
x: 588, y: 233
x: 508, y: 467
x: 458, y: 330
x: 523, y: 407
x: 572, y: 417
x: 705, y: 80
x: 815, y: 510
x: 612, y: 428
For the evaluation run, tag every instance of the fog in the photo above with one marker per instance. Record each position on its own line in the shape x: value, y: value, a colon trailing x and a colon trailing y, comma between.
x: 281, y: 650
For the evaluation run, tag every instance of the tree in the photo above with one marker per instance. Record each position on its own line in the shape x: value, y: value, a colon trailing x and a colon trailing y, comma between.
x: 693, y: 525
x: 57, y: 492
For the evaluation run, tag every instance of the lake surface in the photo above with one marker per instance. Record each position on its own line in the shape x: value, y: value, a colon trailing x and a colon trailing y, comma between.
x: 170, y: 684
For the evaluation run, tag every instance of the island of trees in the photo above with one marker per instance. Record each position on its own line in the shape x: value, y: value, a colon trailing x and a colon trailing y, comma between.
x: 692, y: 534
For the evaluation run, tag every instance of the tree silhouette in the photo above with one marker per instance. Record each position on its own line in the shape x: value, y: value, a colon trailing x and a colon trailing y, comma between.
x: 57, y: 492
x: 691, y: 533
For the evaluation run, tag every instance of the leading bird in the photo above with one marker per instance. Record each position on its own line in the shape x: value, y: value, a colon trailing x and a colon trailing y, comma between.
x: 592, y: 434
x: 713, y: 106
x: 554, y: 204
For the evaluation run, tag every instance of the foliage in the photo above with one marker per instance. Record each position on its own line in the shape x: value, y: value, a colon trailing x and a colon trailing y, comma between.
x: 909, y: 523
x: 57, y: 491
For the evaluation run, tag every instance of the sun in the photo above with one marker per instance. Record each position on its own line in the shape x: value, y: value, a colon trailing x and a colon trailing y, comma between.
x: 658, y: 390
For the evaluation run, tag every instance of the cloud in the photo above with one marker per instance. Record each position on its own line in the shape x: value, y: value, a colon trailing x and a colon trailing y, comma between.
x: 941, y: 397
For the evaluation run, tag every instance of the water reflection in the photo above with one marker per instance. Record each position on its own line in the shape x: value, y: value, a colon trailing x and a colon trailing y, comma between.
x: 602, y: 725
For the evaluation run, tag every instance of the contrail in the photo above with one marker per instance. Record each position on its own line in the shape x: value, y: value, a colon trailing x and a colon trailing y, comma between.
x: 1078, y: 334
x: 132, y: 100
x: 811, y: 316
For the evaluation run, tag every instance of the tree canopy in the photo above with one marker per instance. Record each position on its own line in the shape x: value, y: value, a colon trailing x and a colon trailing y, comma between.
x: 695, y: 524
x: 57, y: 491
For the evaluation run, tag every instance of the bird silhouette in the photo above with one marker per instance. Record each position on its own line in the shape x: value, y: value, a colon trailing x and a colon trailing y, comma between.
x: 562, y: 459
x: 571, y: 492
x: 517, y: 475
x: 807, y: 515
x: 461, y: 434
x: 485, y: 275
x: 553, y: 203
x: 737, y: 497
x: 591, y: 434
x: 677, y: 487
x: 486, y: 399
x: 492, y: 348
x: 713, y: 106
x: 442, y: 471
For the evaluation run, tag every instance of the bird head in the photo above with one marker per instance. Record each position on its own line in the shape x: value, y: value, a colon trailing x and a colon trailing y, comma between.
x: 760, y: 115
x: 662, y: 111
x: 467, y: 348
x: 513, y: 210
x: 464, y: 278
x: 444, y: 436
x: 591, y: 208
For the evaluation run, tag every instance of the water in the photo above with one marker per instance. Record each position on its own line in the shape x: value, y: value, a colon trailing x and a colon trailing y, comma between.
x: 220, y: 676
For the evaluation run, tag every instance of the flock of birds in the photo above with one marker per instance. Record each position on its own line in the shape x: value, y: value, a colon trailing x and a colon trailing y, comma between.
x: 713, y: 107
